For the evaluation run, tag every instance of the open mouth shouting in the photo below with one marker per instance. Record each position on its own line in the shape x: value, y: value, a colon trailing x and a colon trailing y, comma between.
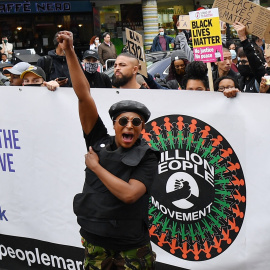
x: 127, y: 137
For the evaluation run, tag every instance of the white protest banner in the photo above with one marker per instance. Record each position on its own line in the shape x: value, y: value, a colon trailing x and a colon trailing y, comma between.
x: 255, y: 17
x: 206, y: 36
x: 214, y: 159
x: 135, y: 47
x: 183, y: 22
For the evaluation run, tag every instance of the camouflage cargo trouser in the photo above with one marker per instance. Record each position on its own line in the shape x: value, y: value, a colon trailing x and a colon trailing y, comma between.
x: 135, y: 259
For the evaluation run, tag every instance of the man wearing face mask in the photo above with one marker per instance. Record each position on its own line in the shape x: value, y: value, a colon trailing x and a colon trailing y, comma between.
x: 161, y: 42
x: 6, y: 48
x: 91, y: 66
x: 251, y: 67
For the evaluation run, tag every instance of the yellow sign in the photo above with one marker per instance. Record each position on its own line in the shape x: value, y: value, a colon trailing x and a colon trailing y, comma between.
x: 205, y: 32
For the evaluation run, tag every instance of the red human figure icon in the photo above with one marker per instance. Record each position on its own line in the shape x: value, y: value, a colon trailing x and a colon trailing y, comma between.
x: 233, y: 225
x: 192, y: 126
x: 207, y: 250
x: 226, y: 236
x: 146, y: 136
x: 216, y: 141
x: 233, y: 167
x: 239, y: 197
x: 156, y: 128
x: 167, y: 124
x: 180, y: 123
x: 237, y: 211
x: 205, y: 132
x: 226, y: 153
x: 237, y: 181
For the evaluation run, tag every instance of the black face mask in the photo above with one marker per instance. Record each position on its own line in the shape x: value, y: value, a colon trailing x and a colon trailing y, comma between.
x: 267, y: 70
x: 245, y: 70
x: 33, y: 84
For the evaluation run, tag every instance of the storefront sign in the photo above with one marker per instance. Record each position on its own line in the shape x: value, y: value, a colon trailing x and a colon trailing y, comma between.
x: 135, y: 47
x: 44, y: 7
x: 206, y: 35
x: 131, y: 16
x: 177, y: 10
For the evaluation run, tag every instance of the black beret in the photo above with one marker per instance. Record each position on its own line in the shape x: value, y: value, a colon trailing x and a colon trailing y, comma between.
x: 129, y: 106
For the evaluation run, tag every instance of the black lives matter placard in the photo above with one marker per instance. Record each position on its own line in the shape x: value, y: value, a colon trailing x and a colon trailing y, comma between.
x: 206, y: 36
x: 135, y: 47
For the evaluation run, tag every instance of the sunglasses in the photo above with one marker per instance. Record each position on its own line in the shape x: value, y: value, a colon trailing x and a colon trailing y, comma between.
x: 123, y: 121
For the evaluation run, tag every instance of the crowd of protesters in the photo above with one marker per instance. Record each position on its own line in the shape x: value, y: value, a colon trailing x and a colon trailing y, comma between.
x: 121, y: 169
x: 243, y: 67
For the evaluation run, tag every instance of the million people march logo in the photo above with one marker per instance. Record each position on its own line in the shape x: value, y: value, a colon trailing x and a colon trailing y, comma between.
x: 198, y: 203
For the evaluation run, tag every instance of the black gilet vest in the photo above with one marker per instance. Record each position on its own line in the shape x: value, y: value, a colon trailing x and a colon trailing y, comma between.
x: 98, y: 210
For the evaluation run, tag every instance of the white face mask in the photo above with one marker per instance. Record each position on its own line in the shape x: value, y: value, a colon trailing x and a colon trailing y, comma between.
x: 96, y: 41
x: 161, y: 33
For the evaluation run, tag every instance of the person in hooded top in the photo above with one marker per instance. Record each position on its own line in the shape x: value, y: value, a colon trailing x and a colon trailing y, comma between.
x: 177, y: 70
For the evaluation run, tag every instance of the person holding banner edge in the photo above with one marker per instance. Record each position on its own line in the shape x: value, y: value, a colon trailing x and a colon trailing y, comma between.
x: 113, y: 208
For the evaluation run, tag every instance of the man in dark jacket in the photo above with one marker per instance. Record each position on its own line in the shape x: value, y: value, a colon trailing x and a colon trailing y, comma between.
x: 106, y: 50
x: 161, y: 42
x: 55, y: 65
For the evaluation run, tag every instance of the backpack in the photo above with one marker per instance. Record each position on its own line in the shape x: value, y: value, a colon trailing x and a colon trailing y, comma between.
x: 46, y: 64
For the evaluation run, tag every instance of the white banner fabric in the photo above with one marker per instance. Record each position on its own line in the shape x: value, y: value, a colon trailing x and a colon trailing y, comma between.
x: 42, y: 163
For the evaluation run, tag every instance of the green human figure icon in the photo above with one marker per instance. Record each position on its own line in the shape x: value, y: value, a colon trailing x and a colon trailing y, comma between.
x: 180, y: 138
x: 189, y: 141
x: 153, y: 144
x: 220, y: 169
x: 171, y: 140
x: 215, y: 160
x: 207, y: 151
x: 199, y: 144
x: 163, y: 142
